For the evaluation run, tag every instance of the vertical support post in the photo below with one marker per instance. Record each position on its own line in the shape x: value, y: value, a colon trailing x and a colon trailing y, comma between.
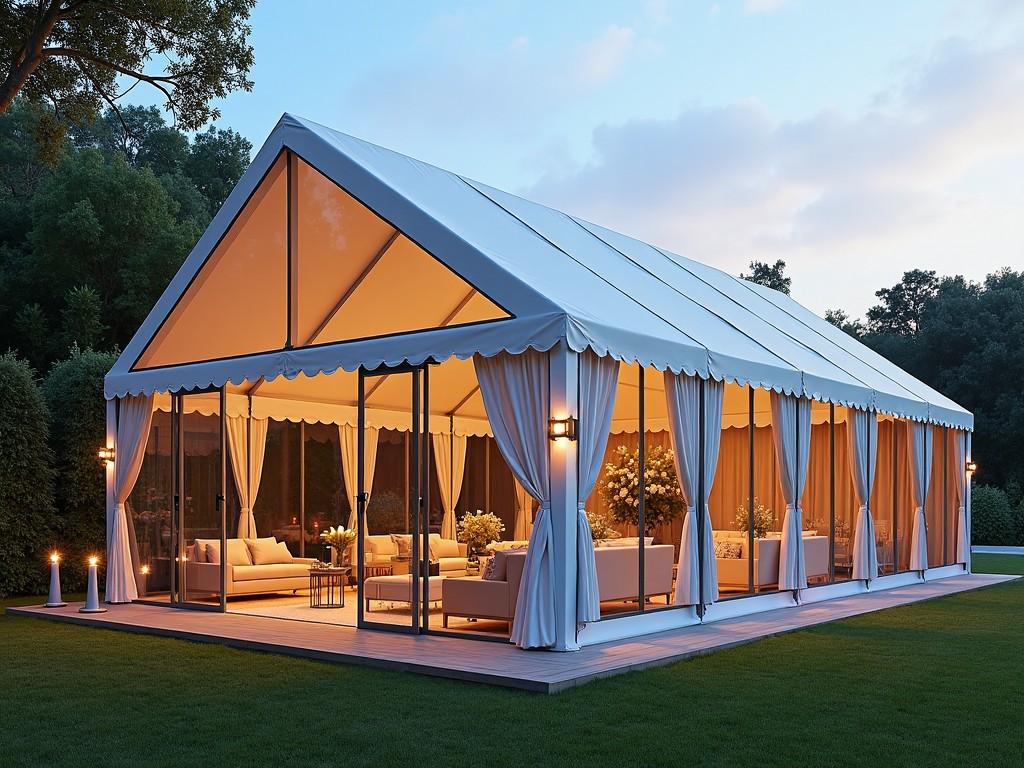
x: 832, y: 489
x: 701, y: 495
x: 641, y: 522
x: 968, y: 436
x: 110, y: 440
x: 946, y: 560
x: 302, y: 487
x: 751, y: 426
x: 563, y: 382
x: 895, y: 501
x: 222, y: 499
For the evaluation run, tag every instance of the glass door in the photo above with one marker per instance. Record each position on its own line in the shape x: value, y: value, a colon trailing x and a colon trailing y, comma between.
x: 198, y: 525
x: 393, y: 567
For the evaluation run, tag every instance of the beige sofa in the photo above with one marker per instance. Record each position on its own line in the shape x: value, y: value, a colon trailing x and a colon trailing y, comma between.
x: 381, y: 548
x: 734, y: 572
x: 617, y: 579
x: 242, y: 578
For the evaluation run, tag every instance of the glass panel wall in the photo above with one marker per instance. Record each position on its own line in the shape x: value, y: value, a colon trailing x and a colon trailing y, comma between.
x: 952, y: 500
x: 903, y: 495
x: 934, y: 508
x: 730, y: 498
x: 150, y: 509
x: 882, y: 495
x: 487, y: 484
x: 277, y: 507
x: 324, y: 501
x: 201, y: 483
x: 769, y: 503
x: 817, y: 499
x: 846, y: 503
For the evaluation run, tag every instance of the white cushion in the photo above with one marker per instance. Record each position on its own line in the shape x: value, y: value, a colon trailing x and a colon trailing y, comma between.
x: 443, y: 547
x: 238, y: 553
x: 293, y: 570
x: 268, y: 551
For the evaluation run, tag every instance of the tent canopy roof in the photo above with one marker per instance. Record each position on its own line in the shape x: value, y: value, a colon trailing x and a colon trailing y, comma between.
x: 333, y: 253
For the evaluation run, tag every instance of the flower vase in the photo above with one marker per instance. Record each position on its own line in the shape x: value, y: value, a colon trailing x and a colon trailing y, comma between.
x: 334, y: 557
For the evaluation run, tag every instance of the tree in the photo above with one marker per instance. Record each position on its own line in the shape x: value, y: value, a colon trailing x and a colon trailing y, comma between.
x: 844, y: 322
x: 74, y: 393
x: 769, y: 275
x: 216, y: 162
x: 71, y: 55
x: 26, y: 480
x: 32, y: 334
x: 903, y: 305
x: 82, y: 324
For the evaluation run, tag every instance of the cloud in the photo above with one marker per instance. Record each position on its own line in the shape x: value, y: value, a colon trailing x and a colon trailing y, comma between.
x: 924, y: 177
x: 603, y: 57
x: 762, y: 6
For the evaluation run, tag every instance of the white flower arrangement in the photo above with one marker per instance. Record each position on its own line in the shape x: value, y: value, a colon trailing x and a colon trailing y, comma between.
x: 663, y: 499
x: 480, y: 529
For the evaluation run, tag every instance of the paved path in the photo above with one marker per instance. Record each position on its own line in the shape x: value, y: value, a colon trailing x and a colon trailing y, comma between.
x: 491, y: 662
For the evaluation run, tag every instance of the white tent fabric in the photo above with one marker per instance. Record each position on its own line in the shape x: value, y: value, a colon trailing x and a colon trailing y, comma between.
x: 682, y: 396
x: 791, y: 435
x: 515, y: 389
x: 349, y: 443
x: 862, y: 443
x: 450, y: 462
x: 959, y: 471
x: 134, y: 417
x: 247, y: 444
x: 921, y: 437
x: 560, y: 279
x: 598, y: 377
x: 522, y: 527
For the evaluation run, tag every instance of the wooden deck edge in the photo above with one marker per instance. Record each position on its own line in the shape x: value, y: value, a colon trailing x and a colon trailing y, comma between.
x: 334, y: 657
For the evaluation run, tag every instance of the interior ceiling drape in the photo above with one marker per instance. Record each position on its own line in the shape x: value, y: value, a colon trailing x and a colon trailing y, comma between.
x: 862, y: 451
x: 516, y: 395
x: 682, y: 397
x: 134, y: 416
x: 598, y: 379
x: 791, y: 434
x: 921, y: 437
x: 450, y: 461
x: 959, y: 472
x: 349, y: 444
x: 525, y: 504
x: 247, y: 446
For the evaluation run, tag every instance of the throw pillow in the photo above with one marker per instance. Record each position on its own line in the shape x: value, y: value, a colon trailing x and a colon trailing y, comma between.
x: 497, y: 567
x: 268, y: 551
x: 728, y: 550
x: 403, y: 542
x: 238, y: 552
x: 443, y: 548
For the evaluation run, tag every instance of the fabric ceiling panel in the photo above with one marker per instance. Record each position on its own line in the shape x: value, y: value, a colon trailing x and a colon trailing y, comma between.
x: 237, y: 304
x: 336, y: 238
x: 406, y: 290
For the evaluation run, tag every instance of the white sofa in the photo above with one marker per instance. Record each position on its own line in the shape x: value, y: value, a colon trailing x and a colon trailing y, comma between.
x: 381, y: 548
x: 734, y: 572
x: 241, y: 576
x: 617, y: 579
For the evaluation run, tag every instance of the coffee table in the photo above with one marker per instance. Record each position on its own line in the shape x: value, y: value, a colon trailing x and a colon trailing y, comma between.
x: 327, y: 587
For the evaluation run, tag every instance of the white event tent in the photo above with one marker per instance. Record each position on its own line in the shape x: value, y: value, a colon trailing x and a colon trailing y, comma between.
x: 334, y: 255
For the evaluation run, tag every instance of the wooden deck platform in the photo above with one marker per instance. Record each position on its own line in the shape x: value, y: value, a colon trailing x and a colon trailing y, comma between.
x: 492, y: 662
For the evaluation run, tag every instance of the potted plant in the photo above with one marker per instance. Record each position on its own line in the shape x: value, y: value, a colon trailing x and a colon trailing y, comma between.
x: 601, y: 526
x: 764, y: 519
x: 477, y: 530
x: 663, y: 498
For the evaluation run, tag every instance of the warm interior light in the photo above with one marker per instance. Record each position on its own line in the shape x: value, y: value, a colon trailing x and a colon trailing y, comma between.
x: 93, y: 560
x: 145, y: 570
x: 562, y: 429
x: 105, y: 454
x: 54, y: 557
x: 972, y: 467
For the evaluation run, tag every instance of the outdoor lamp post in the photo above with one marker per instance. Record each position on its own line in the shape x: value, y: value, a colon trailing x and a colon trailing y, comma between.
x: 54, y: 600
x: 144, y: 581
x: 92, y: 596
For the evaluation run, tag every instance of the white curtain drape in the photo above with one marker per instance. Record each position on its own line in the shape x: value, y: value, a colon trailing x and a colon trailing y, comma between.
x: 682, y: 396
x: 349, y: 444
x: 791, y: 434
x: 598, y: 379
x: 135, y: 414
x: 450, y: 461
x: 920, y: 477
x: 525, y: 505
x: 959, y: 471
x: 515, y: 390
x: 862, y: 450
x: 247, y: 445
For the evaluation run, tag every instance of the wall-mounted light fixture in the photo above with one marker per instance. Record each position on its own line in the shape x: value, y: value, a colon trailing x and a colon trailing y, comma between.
x: 562, y: 429
x: 971, y: 466
x: 105, y: 454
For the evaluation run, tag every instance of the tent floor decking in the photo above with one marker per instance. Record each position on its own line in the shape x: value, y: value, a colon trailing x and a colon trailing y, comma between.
x: 491, y: 662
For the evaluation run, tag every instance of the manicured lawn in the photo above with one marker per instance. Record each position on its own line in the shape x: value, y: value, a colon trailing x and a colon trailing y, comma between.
x: 938, y: 683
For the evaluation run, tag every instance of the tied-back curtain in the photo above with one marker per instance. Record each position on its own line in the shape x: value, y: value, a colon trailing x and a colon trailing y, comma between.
x: 920, y: 476
x: 682, y: 396
x: 349, y: 444
x: 247, y: 445
x: 525, y: 503
x: 135, y: 415
x: 450, y: 461
x: 862, y: 450
x: 598, y: 379
x: 791, y: 434
x: 515, y: 391
x: 963, y: 542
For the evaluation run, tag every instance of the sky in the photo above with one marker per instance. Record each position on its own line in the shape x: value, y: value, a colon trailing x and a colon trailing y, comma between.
x: 854, y: 140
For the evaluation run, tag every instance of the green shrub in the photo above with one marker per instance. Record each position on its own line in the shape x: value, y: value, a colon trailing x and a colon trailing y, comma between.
x: 1019, y: 523
x: 991, y: 516
x: 74, y: 393
x: 26, y: 481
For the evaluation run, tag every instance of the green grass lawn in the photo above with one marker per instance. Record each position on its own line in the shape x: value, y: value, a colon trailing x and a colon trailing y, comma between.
x: 937, y: 683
